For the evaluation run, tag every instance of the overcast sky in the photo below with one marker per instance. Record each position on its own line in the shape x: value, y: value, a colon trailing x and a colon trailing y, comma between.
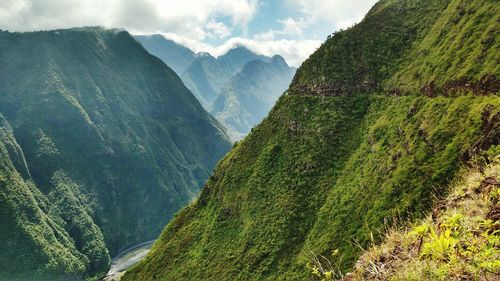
x: 291, y: 28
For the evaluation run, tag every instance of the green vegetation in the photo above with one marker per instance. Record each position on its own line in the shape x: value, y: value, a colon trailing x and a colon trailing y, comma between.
x: 34, y: 243
x: 458, y: 241
x: 341, y: 154
x: 360, y: 58
x: 101, y: 144
x: 460, y: 52
x: 411, y: 46
x: 407, y: 154
x: 326, y: 178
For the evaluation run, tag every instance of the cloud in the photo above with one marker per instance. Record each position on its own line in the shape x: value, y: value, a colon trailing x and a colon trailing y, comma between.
x: 193, y: 17
x: 196, y: 22
x: 294, y: 27
x: 218, y: 30
x: 268, y: 35
x: 291, y: 27
x: 338, y: 13
x: 294, y: 51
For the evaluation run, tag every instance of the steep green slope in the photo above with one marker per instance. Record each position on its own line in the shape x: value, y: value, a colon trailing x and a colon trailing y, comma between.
x: 343, y: 152
x: 460, y: 52
x: 176, y: 56
x: 104, y: 145
x: 36, y: 240
x: 439, y: 47
x: 249, y: 96
x: 458, y: 240
x: 315, y: 177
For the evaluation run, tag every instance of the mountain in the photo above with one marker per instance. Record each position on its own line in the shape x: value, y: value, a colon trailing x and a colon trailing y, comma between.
x: 101, y: 144
x: 238, y: 88
x: 237, y: 57
x: 178, y: 57
x: 375, y: 126
x: 206, y: 76
x: 249, y: 95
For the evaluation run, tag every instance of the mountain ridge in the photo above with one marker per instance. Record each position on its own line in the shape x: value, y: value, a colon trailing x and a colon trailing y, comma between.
x: 178, y: 56
x: 207, y: 75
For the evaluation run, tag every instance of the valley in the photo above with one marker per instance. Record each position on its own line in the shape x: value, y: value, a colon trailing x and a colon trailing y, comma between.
x: 180, y: 142
x: 126, y: 259
x: 101, y: 145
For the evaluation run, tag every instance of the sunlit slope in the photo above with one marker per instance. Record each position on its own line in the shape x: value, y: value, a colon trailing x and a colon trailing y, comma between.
x: 346, y: 150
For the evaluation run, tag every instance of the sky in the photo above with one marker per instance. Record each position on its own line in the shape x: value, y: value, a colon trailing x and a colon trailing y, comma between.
x: 291, y: 28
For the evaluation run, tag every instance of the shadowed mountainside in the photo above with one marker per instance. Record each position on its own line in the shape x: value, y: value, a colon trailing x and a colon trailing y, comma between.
x: 101, y: 144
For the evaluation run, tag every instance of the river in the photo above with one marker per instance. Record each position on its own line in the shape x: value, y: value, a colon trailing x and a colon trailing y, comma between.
x: 126, y: 259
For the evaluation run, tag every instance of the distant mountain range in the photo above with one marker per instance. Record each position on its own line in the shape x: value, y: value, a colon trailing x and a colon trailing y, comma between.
x: 239, y: 88
x: 249, y: 95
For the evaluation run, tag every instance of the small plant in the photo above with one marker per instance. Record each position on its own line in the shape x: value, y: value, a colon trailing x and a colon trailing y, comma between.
x: 461, y: 241
x: 420, y: 232
x: 440, y: 247
x: 323, y: 268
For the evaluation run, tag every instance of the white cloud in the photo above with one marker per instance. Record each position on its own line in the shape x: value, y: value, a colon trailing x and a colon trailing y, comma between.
x: 294, y: 27
x: 338, y: 13
x: 268, y: 35
x: 294, y: 51
x: 291, y: 27
x: 193, y: 17
x: 192, y: 22
x: 218, y: 30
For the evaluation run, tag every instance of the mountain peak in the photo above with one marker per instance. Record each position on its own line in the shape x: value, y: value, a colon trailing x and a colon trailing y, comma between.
x: 238, y: 49
x: 177, y: 55
x: 279, y: 60
x: 124, y: 91
x: 204, y: 55
x: 239, y: 56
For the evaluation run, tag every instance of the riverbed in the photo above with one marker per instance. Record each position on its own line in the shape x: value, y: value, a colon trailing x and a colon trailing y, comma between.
x: 126, y: 259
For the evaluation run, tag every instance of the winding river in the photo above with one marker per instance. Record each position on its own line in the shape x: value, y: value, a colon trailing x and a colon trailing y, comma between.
x: 126, y: 259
